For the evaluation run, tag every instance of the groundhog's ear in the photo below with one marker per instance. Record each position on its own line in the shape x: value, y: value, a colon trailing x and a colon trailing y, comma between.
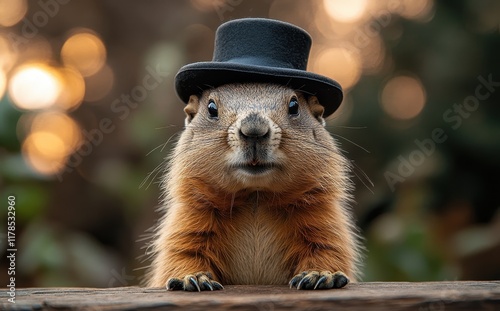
x: 191, y: 108
x: 316, y: 109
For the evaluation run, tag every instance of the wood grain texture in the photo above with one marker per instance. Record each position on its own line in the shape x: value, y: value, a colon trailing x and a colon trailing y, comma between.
x: 435, y: 296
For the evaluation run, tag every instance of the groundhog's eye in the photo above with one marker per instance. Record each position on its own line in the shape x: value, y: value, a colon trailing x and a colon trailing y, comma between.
x: 293, y: 107
x: 212, y: 109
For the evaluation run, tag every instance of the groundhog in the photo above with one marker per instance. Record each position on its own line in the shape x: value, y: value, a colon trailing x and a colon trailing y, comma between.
x: 257, y: 192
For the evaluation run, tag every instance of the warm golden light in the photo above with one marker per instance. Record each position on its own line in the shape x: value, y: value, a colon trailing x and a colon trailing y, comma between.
x: 73, y: 89
x: 3, y: 83
x: 48, y: 145
x: 339, y: 64
x: 60, y: 125
x: 12, y: 11
x: 332, y: 29
x: 403, y: 97
x: 208, y: 5
x: 85, y: 52
x: 373, y: 55
x: 345, y: 11
x: 44, y: 152
x: 53, y: 137
x: 416, y: 9
x: 8, y: 57
x: 34, y: 86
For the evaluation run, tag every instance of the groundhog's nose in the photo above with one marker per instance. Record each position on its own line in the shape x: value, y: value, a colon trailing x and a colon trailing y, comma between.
x: 254, y: 127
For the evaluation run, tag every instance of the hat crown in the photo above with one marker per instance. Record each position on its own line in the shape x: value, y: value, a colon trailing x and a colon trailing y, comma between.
x: 259, y: 50
x: 262, y: 42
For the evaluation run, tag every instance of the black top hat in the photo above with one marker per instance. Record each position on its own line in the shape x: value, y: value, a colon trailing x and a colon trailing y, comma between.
x: 259, y: 50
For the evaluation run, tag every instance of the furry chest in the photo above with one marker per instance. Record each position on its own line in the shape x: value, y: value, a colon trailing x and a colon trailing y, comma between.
x: 257, y: 250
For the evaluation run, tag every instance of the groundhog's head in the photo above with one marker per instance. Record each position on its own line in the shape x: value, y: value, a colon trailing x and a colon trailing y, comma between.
x: 258, y: 137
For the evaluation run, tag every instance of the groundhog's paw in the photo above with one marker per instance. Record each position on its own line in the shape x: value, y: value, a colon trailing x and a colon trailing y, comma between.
x: 194, y: 282
x: 319, y: 280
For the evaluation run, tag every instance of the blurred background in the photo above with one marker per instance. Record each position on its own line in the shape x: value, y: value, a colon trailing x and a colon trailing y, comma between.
x: 88, y: 112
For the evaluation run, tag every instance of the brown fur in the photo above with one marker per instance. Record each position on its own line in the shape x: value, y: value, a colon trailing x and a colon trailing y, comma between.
x: 254, y: 230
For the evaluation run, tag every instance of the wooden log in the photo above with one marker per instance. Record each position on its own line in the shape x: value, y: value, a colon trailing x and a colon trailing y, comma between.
x: 432, y: 296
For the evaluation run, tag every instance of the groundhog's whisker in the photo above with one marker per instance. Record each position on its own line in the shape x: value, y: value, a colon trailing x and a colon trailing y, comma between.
x: 155, y: 148
x: 365, y: 178
x: 206, y: 142
x: 329, y: 149
x: 155, y: 171
x: 150, y: 177
x: 346, y: 127
x: 166, y: 127
x: 163, y: 145
x: 348, y: 140
x: 211, y: 128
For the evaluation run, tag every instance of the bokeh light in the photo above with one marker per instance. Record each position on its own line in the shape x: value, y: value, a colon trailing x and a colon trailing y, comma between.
x: 53, y: 137
x: 84, y: 51
x: 12, y: 11
x: 207, y: 5
x: 61, y: 125
x: 8, y: 57
x: 339, y: 64
x: 415, y: 9
x: 34, y: 86
x: 3, y: 83
x: 73, y: 89
x: 373, y: 55
x: 44, y: 152
x: 403, y: 97
x: 332, y: 29
x: 345, y: 11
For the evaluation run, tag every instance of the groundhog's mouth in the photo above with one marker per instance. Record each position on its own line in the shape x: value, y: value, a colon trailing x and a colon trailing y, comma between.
x: 256, y: 168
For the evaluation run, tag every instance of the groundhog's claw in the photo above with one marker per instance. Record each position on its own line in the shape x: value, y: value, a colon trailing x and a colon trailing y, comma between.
x: 319, y: 280
x: 194, y: 282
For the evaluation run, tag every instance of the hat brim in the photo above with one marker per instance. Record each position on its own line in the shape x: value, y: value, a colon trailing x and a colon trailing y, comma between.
x: 194, y: 78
